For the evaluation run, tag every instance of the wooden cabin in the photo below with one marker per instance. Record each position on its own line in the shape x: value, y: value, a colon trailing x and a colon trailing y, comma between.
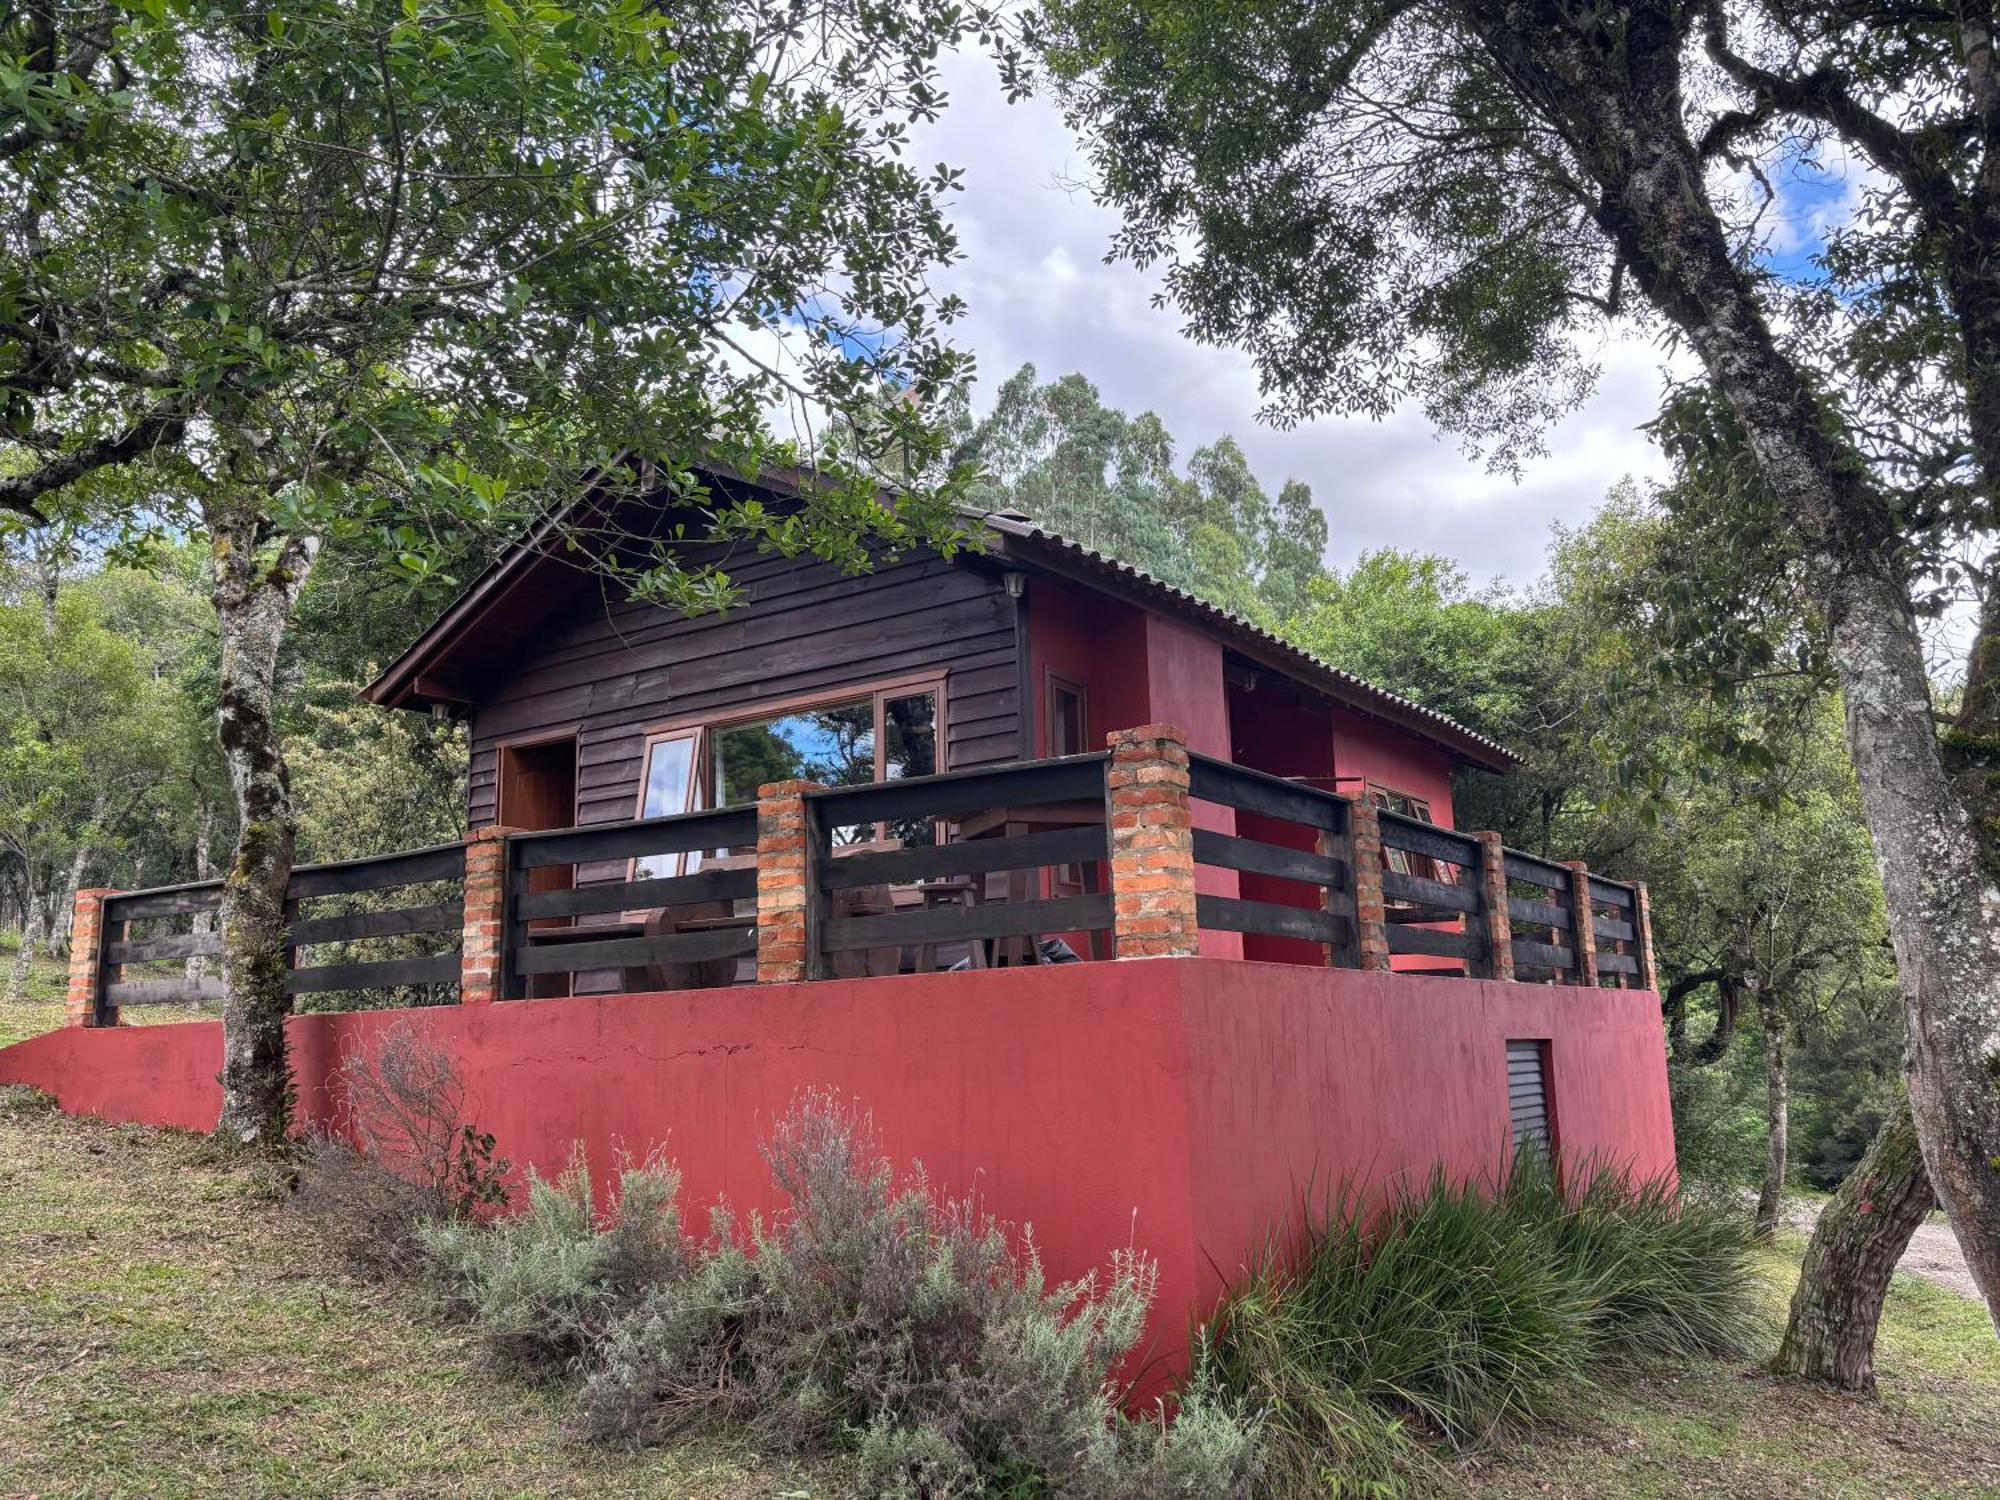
x: 966, y: 812
x: 588, y: 708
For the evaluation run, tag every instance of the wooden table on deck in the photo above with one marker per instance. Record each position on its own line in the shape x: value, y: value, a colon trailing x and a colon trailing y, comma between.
x: 1045, y: 817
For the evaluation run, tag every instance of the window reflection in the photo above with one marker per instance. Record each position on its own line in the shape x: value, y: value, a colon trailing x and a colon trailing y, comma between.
x: 909, y: 748
x: 669, y: 791
x: 882, y: 736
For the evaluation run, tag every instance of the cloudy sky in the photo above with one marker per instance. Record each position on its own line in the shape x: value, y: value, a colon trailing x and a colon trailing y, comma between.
x: 1039, y: 292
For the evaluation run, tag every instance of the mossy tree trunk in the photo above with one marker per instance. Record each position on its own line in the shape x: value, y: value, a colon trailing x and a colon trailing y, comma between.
x: 34, y: 922
x: 257, y: 584
x: 1860, y: 1236
x: 1777, y: 1143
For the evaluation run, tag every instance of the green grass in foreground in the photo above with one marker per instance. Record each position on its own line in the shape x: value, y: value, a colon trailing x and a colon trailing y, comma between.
x: 168, y: 1327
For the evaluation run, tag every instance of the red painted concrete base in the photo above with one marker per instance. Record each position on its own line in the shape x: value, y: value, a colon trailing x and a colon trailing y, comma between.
x: 1185, y: 1106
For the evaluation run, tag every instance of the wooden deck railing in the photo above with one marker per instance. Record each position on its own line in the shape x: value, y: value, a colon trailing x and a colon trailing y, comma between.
x: 338, y: 907
x: 1088, y: 856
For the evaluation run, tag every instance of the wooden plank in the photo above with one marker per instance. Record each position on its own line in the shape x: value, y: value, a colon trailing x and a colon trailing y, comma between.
x: 1543, y: 913
x: 167, y: 901
x: 959, y: 924
x: 1259, y: 858
x: 1542, y: 955
x: 1444, y: 944
x: 352, y: 876
x: 1426, y: 892
x: 1212, y: 780
x: 1413, y: 837
x: 638, y: 895
x: 1059, y: 846
x: 1620, y: 932
x: 1535, y: 871
x: 1423, y: 916
x: 445, y: 916
x: 1612, y: 893
x: 1072, y: 778
x: 179, y: 945
x: 126, y: 992
x: 1272, y: 919
x: 724, y: 828
x: 635, y: 952
x: 442, y: 969
x: 1617, y: 963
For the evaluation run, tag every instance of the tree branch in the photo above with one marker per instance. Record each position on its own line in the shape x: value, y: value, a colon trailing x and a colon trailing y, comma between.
x: 162, y: 427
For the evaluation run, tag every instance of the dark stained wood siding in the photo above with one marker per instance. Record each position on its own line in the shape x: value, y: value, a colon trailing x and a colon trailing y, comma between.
x: 610, y: 669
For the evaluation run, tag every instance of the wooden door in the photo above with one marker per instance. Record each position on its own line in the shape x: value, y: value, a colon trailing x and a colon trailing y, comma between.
x: 537, y: 791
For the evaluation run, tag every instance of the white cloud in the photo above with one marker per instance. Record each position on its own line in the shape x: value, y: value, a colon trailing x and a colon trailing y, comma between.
x: 1038, y: 291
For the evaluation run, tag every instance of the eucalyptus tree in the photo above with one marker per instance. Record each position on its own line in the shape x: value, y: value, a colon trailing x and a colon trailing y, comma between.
x: 1056, y: 451
x: 313, y: 274
x: 1440, y: 200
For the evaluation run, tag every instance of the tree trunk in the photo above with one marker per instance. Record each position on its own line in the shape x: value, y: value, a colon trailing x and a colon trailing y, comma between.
x: 55, y: 932
x: 1771, y: 1200
x: 255, y: 593
x: 1860, y: 1236
x: 203, y: 922
x: 32, y: 921
x: 1622, y: 110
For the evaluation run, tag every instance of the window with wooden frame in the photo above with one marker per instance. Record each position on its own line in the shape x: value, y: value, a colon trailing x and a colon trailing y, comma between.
x: 1401, y: 860
x: 851, y: 738
x: 1066, y: 707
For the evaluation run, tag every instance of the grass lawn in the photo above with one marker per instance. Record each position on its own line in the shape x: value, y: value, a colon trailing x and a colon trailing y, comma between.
x: 1732, y: 1430
x: 167, y: 1327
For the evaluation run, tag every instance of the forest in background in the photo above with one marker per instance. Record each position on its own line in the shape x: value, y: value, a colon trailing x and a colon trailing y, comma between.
x: 1739, y: 811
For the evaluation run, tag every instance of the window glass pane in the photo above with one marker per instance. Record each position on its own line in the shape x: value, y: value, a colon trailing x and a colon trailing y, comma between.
x: 834, y: 746
x: 669, y: 778
x: 1065, y: 721
x: 909, y: 732
x: 909, y: 729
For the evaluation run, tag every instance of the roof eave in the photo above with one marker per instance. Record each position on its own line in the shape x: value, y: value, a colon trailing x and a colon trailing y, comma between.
x: 1030, y: 545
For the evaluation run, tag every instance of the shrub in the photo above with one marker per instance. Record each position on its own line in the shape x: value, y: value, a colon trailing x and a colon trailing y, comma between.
x: 1458, y: 1313
x: 545, y: 1286
x: 870, y: 1316
x: 402, y: 1153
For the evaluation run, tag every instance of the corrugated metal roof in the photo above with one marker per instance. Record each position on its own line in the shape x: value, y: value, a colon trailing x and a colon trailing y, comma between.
x: 1013, y: 524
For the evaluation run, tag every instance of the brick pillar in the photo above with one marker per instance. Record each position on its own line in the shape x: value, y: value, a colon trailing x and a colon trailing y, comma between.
x: 1499, y: 923
x: 1582, y: 926
x: 86, y: 950
x: 482, y: 957
x: 784, y: 882
x: 1152, y: 844
x: 1364, y: 857
x: 1642, y: 918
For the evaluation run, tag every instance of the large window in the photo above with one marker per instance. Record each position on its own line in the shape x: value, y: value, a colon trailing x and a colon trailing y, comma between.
x: 881, y: 734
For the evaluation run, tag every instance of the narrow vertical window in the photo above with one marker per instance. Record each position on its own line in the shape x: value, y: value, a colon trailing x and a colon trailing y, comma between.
x: 1069, y: 727
x: 669, y: 791
x: 1069, y: 734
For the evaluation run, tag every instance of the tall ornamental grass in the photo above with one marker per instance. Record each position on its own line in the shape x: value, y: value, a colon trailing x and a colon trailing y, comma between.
x: 1455, y: 1314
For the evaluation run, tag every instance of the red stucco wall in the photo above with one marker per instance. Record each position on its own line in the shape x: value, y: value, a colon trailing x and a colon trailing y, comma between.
x: 1136, y: 667
x: 1378, y: 752
x: 1180, y: 1105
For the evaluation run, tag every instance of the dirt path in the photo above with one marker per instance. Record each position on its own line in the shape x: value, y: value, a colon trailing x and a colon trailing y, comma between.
x: 1933, y: 1253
